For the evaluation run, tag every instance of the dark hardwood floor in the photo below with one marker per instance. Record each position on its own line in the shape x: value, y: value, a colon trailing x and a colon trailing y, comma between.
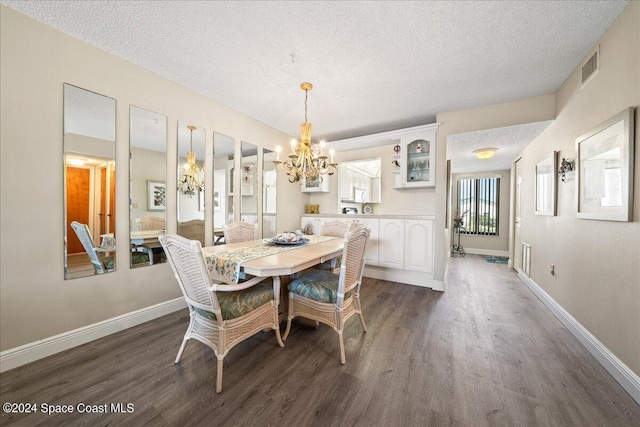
x: 485, y: 353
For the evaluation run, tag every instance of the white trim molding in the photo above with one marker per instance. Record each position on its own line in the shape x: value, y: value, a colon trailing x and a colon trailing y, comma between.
x: 618, y: 370
x: 377, y: 139
x: 36, y: 350
x: 407, y: 277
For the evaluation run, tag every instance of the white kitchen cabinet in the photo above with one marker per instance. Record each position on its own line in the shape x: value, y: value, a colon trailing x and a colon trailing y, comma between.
x: 406, y: 244
x: 316, y: 223
x: 371, y: 254
x: 418, y: 245
x: 391, y: 243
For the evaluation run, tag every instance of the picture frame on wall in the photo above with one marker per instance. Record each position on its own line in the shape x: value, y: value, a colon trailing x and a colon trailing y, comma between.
x: 156, y: 196
x: 604, y: 169
x: 546, y: 184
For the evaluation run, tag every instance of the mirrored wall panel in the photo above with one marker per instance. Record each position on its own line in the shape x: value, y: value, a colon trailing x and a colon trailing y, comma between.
x: 268, y: 194
x: 147, y: 175
x: 191, y: 185
x: 223, y: 170
x: 249, y: 182
x: 359, y: 185
x: 89, y: 136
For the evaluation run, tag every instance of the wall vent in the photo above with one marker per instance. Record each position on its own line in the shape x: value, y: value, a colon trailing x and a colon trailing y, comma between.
x: 591, y: 67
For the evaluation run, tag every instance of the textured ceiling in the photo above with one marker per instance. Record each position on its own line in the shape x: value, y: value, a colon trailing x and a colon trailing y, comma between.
x: 510, y: 141
x: 375, y: 66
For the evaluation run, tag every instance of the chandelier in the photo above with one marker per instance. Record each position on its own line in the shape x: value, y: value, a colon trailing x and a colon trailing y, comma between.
x: 306, y: 160
x: 189, y: 182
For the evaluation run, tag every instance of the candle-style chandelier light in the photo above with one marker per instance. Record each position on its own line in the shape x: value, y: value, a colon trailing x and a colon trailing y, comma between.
x: 306, y: 160
x: 189, y: 182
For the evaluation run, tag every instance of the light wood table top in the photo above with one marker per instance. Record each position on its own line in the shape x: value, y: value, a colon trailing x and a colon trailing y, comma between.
x: 284, y: 263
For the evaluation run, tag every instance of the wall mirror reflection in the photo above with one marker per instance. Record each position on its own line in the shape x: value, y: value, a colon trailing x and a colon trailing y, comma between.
x: 248, y: 183
x: 359, y: 186
x: 268, y: 194
x: 147, y: 175
x: 223, y: 170
x: 191, y: 185
x: 89, y: 182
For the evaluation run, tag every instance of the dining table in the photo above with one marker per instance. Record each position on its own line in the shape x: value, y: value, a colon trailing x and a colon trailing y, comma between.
x: 265, y: 258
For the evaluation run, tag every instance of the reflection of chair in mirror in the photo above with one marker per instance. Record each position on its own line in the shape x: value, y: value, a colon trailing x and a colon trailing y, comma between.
x: 192, y: 230
x: 222, y: 314
x: 150, y: 223
x: 240, y: 232
x: 335, y: 229
x: 100, y: 264
x: 329, y: 298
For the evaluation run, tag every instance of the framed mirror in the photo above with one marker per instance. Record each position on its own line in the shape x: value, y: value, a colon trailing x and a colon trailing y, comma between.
x: 359, y: 186
x: 546, y: 186
x: 191, y: 185
x: 269, y: 185
x: 604, y: 165
x: 89, y: 140
x: 223, y: 170
x: 248, y: 183
x: 147, y: 177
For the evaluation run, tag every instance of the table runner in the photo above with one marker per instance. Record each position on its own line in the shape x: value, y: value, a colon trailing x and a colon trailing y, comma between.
x: 228, y: 263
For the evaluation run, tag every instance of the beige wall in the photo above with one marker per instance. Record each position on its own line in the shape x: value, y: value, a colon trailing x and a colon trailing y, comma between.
x: 597, y: 263
x: 489, y: 245
x: 35, y: 301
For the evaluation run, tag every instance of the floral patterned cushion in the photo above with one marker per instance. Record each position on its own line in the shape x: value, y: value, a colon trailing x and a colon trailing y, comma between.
x: 327, y: 264
x: 319, y: 285
x: 236, y: 304
x: 139, y: 258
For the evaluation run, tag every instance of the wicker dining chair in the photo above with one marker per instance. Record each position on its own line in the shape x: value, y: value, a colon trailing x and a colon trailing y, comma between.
x: 335, y: 229
x: 100, y: 264
x: 329, y: 298
x: 151, y: 223
x: 240, y: 231
x: 222, y: 314
x: 192, y: 230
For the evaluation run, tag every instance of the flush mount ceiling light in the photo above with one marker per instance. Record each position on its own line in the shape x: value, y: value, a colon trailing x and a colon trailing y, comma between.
x: 76, y: 161
x: 306, y: 160
x: 485, y: 153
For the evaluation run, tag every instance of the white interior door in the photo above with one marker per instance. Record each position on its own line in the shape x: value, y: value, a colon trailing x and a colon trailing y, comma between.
x: 517, y: 239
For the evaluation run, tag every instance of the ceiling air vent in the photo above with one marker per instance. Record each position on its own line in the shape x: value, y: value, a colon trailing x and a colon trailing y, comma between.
x: 590, y: 67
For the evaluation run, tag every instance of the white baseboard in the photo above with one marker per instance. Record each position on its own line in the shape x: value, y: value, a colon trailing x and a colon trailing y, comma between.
x: 31, y: 352
x: 618, y: 370
x: 490, y: 252
x: 415, y: 278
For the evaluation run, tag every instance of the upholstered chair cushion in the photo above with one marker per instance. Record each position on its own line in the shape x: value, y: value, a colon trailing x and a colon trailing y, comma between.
x: 139, y: 258
x: 108, y: 263
x: 236, y: 304
x: 318, y: 285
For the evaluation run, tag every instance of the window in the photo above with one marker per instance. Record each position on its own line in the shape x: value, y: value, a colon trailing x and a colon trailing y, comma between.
x: 478, y: 203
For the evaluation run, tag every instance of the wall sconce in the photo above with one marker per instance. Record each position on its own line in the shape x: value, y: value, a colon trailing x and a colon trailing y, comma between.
x: 565, y: 166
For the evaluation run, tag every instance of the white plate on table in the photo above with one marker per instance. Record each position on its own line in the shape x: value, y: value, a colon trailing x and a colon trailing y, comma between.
x: 299, y: 242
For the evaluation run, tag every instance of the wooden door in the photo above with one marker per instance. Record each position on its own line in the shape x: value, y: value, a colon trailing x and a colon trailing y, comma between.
x: 112, y: 198
x: 102, y: 205
x: 78, y: 202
